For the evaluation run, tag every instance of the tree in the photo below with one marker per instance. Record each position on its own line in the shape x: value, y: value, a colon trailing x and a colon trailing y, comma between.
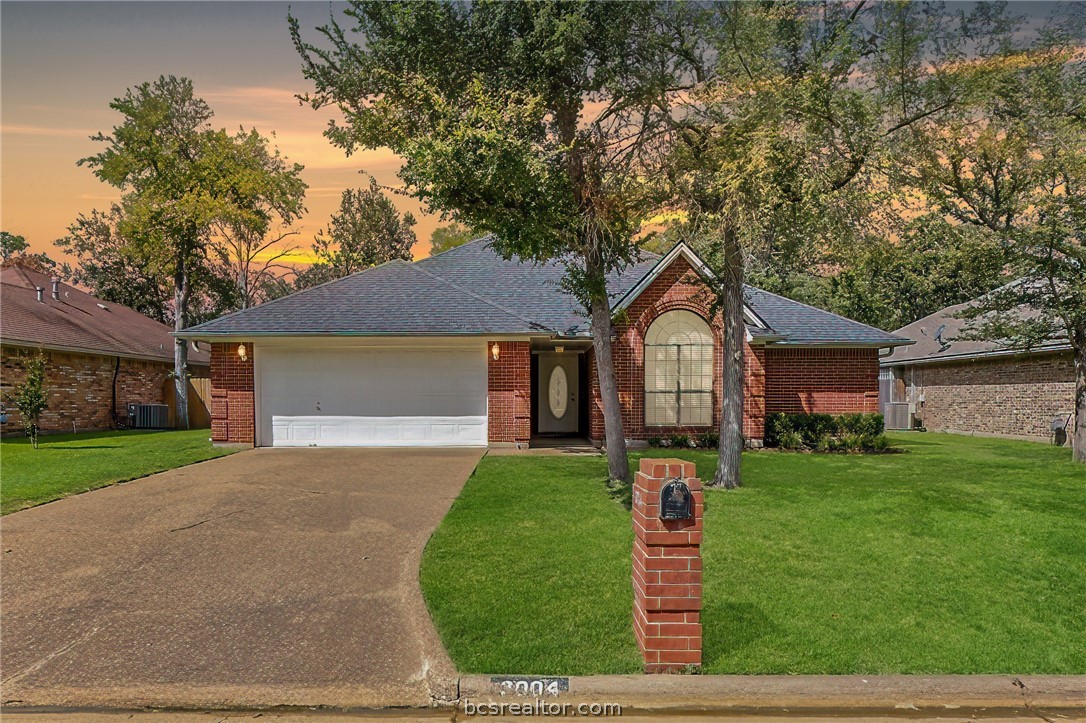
x: 889, y: 283
x: 1011, y: 163
x: 254, y: 261
x: 367, y: 231
x: 31, y: 399
x: 179, y: 178
x: 449, y: 237
x: 107, y: 266
x: 792, y: 107
x: 523, y: 120
x: 15, y: 247
x: 12, y: 244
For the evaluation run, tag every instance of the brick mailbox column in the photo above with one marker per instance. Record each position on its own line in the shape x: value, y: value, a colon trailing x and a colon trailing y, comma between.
x: 667, y: 568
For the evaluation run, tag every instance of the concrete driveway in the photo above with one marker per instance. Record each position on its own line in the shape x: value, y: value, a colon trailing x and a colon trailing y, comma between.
x: 270, y: 577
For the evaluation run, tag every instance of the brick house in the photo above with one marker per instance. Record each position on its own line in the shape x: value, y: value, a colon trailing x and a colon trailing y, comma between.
x: 100, y: 356
x: 945, y: 384
x: 466, y: 348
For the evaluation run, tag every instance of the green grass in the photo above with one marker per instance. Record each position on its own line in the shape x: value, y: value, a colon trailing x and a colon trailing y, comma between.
x: 67, y: 464
x: 963, y: 555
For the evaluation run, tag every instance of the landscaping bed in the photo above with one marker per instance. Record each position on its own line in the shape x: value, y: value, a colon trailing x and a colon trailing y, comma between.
x: 67, y: 464
x: 960, y: 555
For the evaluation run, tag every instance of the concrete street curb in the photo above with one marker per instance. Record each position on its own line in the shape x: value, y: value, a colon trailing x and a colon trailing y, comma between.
x: 982, y: 695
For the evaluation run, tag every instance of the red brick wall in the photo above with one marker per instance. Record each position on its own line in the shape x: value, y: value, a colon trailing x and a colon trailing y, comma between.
x: 1016, y: 397
x: 821, y: 381
x: 678, y: 287
x: 80, y: 387
x: 509, y: 392
x: 232, y: 399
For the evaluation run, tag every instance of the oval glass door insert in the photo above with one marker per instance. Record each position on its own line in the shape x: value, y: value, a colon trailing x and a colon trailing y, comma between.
x: 558, y: 392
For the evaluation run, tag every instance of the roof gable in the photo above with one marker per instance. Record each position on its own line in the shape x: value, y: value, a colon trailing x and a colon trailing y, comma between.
x: 682, y: 251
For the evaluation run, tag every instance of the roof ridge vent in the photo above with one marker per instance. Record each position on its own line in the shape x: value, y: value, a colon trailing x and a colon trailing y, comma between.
x: 56, y: 288
x: 41, y: 294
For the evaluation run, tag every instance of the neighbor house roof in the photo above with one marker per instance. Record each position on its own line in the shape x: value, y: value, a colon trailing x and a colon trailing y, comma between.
x: 471, y: 290
x: 937, y: 340
x: 77, y: 321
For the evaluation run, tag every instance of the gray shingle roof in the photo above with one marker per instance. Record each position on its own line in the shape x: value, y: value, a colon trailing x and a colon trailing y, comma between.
x: 803, y: 324
x: 948, y: 347
x: 472, y: 290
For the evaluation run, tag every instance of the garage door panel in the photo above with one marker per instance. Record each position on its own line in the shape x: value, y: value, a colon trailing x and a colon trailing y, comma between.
x: 373, y: 397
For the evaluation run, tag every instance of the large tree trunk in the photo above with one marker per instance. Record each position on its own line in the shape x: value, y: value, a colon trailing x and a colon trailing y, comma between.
x: 618, y: 467
x: 1079, y: 440
x: 181, y: 346
x: 729, y: 454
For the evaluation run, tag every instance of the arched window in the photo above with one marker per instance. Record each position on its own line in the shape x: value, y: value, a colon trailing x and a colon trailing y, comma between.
x: 679, y: 371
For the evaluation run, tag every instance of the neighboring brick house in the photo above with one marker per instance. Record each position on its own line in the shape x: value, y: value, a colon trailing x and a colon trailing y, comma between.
x: 466, y: 348
x: 944, y: 384
x: 99, y: 355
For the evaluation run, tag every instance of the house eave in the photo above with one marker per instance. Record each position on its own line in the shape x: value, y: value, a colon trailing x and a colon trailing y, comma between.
x: 844, y: 344
x: 993, y: 354
x: 26, y: 344
x: 226, y: 337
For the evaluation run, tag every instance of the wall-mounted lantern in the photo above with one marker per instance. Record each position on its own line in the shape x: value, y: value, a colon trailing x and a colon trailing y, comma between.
x: 243, y: 352
x: 495, y: 351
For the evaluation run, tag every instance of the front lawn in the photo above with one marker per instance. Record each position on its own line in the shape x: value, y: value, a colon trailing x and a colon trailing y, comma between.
x: 67, y: 464
x: 963, y: 555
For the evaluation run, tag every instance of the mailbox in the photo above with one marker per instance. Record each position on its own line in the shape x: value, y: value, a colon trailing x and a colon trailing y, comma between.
x: 676, y: 502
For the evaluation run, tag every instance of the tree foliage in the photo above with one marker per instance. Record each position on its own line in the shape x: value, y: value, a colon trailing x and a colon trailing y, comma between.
x: 524, y: 120
x: 890, y: 281
x: 779, y: 143
x: 367, y: 231
x: 1011, y: 163
x: 449, y: 237
x: 181, y: 179
x: 11, y: 244
x: 115, y: 269
x: 15, y: 247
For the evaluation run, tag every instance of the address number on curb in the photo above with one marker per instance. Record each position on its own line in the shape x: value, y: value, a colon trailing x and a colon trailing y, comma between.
x: 519, y: 685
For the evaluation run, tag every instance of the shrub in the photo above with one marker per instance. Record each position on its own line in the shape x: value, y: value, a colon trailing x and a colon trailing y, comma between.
x: 852, y: 442
x: 31, y: 397
x: 679, y: 440
x: 709, y: 439
x: 791, y: 439
x: 880, y: 443
x: 654, y: 441
x: 825, y: 432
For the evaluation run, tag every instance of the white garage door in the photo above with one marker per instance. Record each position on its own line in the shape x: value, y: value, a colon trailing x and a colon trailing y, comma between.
x: 370, y: 397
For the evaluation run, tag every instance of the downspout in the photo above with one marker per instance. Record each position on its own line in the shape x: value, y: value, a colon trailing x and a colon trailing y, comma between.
x: 113, y: 398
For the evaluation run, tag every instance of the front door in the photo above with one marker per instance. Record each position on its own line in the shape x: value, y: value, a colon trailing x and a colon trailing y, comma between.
x: 559, y: 394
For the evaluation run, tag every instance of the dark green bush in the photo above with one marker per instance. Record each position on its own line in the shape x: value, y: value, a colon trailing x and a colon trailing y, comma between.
x: 679, y: 440
x: 709, y: 440
x: 825, y: 432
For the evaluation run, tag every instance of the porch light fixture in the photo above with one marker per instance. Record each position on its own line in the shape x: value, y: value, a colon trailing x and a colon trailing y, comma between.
x: 495, y: 351
x: 243, y: 352
x: 559, y: 349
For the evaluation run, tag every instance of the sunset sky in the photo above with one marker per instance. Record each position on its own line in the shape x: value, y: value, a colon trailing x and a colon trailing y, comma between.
x: 61, y: 63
